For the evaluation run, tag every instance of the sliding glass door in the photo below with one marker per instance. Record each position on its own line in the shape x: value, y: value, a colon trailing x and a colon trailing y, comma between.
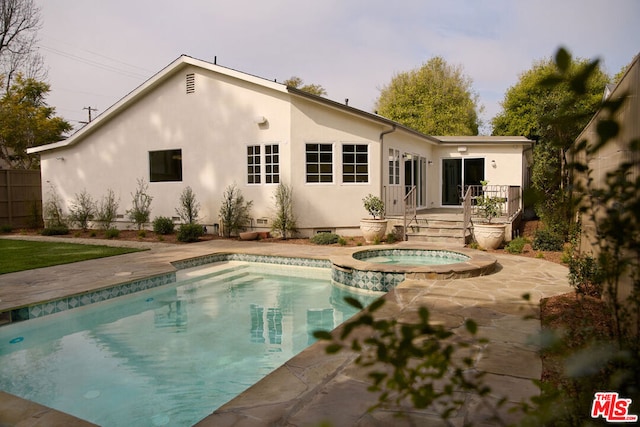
x: 455, y: 174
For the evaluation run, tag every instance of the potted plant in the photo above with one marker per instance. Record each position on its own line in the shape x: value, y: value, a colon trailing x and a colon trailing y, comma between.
x: 489, y: 235
x: 375, y: 228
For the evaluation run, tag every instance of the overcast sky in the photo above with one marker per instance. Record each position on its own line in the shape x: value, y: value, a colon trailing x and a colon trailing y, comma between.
x: 98, y: 51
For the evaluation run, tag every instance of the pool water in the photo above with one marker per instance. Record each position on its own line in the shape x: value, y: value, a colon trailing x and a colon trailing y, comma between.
x: 410, y: 260
x: 172, y: 355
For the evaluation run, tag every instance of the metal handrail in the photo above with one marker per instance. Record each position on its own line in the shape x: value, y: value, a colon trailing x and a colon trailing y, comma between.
x: 410, y: 204
x: 466, y: 209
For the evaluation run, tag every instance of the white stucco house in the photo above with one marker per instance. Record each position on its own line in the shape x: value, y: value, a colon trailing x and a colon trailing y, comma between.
x: 202, y: 125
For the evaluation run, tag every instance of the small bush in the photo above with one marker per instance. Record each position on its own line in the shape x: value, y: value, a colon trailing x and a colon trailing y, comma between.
x: 391, y: 238
x: 107, y: 210
x: 111, y: 233
x: 342, y: 241
x: 325, y: 239
x: 5, y: 229
x: 142, y: 234
x: 163, y: 225
x: 82, y: 210
x: 546, y: 240
x: 58, y: 230
x: 585, y: 276
x: 190, y: 232
x: 141, y: 205
x: 516, y: 246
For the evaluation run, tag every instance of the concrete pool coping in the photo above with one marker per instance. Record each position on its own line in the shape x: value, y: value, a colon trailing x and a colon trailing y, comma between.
x: 313, y: 387
x: 478, y: 263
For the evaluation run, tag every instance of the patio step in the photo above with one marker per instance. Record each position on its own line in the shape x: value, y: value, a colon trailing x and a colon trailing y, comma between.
x: 447, y: 231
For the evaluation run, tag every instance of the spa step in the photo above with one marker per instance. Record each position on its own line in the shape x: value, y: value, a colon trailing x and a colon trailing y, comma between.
x: 441, y: 231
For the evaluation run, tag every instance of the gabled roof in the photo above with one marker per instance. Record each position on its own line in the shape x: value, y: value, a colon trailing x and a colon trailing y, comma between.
x: 185, y: 61
x: 148, y: 86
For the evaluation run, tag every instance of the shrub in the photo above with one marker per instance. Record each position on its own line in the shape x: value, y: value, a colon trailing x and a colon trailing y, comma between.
x: 142, y: 234
x: 585, y: 275
x: 111, y: 233
x: 234, y: 211
x: 325, y: 239
x: 189, y: 207
x: 82, y: 210
x: 141, y: 205
x: 107, y: 211
x: 342, y: 241
x: 52, y: 210
x: 546, y: 240
x: 516, y: 246
x: 5, y: 228
x: 284, y: 220
x: 163, y: 225
x: 190, y: 232
x: 57, y: 230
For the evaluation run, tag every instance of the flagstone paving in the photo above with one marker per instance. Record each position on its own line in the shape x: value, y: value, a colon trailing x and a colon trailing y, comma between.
x: 314, y: 387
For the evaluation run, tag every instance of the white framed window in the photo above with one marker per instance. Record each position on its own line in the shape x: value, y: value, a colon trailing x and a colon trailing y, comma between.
x: 355, y: 163
x: 253, y: 164
x: 319, y: 163
x: 272, y: 164
x: 394, y: 166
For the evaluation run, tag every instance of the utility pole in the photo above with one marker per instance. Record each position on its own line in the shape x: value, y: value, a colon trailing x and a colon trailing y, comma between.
x: 89, y: 109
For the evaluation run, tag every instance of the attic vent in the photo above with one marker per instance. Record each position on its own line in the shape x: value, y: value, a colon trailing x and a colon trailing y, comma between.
x: 191, y: 83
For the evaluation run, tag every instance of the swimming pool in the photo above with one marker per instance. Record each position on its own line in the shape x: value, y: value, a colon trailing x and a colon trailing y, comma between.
x: 172, y: 355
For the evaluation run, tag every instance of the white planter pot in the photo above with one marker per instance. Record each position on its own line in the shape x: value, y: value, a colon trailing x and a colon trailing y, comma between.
x: 373, y: 229
x: 489, y: 236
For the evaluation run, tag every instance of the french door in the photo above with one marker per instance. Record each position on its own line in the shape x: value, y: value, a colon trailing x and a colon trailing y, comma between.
x: 415, y: 173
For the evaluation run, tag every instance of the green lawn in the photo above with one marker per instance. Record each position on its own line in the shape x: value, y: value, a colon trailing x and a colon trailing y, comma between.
x: 19, y: 255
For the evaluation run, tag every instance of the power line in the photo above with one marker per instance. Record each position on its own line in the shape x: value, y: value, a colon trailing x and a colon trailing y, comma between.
x: 96, y: 64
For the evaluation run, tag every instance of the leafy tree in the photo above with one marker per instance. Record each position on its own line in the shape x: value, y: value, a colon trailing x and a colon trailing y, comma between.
x: 27, y: 121
x: 435, y: 99
x: 539, y: 110
x: 296, y: 82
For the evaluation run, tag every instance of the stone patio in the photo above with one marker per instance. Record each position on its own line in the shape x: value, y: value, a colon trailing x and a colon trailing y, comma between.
x: 313, y: 387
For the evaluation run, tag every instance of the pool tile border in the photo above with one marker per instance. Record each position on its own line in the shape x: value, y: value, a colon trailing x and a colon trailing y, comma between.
x: 80, y: 300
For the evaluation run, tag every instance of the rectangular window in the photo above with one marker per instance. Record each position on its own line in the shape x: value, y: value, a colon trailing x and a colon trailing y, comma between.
x: 253, y: 164
x: 272, y: 164
x: 394, y: 167
x: 355, y: 163
x: 165, y: 165
x: 319, y: 161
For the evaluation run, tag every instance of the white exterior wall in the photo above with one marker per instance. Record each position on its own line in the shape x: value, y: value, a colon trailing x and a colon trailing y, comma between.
x: 212, y: 126
x: 509, y: 163
x: 337, y: 205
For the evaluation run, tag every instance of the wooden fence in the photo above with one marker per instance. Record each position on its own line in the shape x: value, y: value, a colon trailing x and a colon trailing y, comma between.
x: 20, y: 198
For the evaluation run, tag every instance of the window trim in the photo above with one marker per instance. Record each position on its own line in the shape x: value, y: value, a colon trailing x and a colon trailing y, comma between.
x: 319, y: 163
x: 256, y: 164
x: 355, y: 164
x: 268, y: 176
